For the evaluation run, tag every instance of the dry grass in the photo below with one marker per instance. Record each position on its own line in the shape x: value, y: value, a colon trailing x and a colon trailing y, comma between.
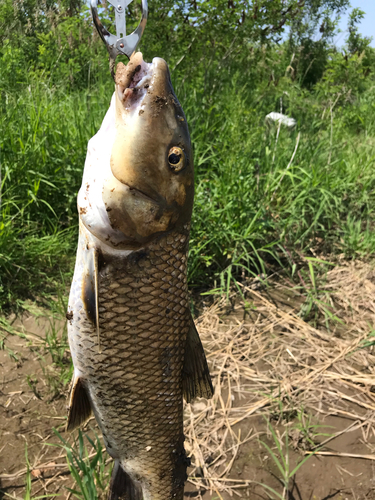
x: 272, y: 357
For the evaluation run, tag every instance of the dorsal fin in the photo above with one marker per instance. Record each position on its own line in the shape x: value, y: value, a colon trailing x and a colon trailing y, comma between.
x: 196, y: 379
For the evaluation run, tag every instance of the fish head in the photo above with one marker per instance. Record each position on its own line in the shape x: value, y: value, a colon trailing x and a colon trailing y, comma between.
x: 150, y: 187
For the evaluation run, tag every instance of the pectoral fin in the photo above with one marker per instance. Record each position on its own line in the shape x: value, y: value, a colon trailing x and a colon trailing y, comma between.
x: 90, y: 287
x: 79, y: 410
x: 196, y: 379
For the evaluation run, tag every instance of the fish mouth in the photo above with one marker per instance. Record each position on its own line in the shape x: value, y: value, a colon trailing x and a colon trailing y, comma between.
x: 138, y: 79
x: 133, y: 82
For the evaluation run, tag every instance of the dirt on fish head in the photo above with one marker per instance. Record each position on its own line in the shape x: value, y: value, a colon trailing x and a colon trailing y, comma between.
x: 152, y: 187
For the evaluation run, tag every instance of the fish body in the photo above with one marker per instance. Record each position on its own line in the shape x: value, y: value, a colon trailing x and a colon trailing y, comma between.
x: 134, y: 345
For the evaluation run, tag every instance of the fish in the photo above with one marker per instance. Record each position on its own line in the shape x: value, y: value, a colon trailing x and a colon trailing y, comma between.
x: 134, y: 345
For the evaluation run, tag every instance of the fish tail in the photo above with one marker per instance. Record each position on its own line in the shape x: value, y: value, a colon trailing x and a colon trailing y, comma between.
x: 122, y: 486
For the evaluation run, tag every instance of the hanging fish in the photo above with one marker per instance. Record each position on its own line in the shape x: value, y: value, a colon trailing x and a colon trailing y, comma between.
x: 135, y: 349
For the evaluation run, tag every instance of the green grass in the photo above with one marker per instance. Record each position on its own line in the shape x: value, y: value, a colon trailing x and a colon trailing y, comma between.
x: 57, y: 367
x: 250, y: 196
x: 281, y: 460
x: 89, y: 470
x: 44, y: 138
x: 264, y: 196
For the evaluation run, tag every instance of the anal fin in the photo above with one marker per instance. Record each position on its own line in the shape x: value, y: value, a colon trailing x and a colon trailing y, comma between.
x: 122, y: 486
x: 196, y: 379
x: 79, y: 410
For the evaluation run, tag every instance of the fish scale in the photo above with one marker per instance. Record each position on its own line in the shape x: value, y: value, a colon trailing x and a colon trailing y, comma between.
x: 136, y: 378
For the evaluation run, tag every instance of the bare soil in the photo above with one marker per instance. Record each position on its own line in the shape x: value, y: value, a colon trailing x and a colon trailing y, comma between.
x: 272, y: 371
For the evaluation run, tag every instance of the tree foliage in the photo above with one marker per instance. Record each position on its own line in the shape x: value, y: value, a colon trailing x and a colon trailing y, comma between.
x: 55, y: 40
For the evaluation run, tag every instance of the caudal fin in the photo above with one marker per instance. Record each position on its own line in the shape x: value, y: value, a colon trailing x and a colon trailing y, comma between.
x: 122, y: 486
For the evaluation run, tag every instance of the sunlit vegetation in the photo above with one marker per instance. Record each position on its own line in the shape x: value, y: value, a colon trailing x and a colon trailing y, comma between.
x: 266, y: 195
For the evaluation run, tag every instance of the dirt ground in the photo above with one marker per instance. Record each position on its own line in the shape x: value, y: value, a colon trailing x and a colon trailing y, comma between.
x: 284, y: 390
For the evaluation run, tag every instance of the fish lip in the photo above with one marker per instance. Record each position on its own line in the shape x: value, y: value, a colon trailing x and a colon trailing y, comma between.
x: 130, y: 90
x: 155, y: 60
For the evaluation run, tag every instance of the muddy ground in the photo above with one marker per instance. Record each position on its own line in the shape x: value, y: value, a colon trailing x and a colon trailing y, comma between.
x: 283, y: 385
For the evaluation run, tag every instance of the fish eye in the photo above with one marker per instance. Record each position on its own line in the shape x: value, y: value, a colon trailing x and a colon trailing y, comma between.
x: 176, y: 159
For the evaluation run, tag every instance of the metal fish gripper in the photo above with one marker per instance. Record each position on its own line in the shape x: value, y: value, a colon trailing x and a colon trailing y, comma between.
x: 119, y: 43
